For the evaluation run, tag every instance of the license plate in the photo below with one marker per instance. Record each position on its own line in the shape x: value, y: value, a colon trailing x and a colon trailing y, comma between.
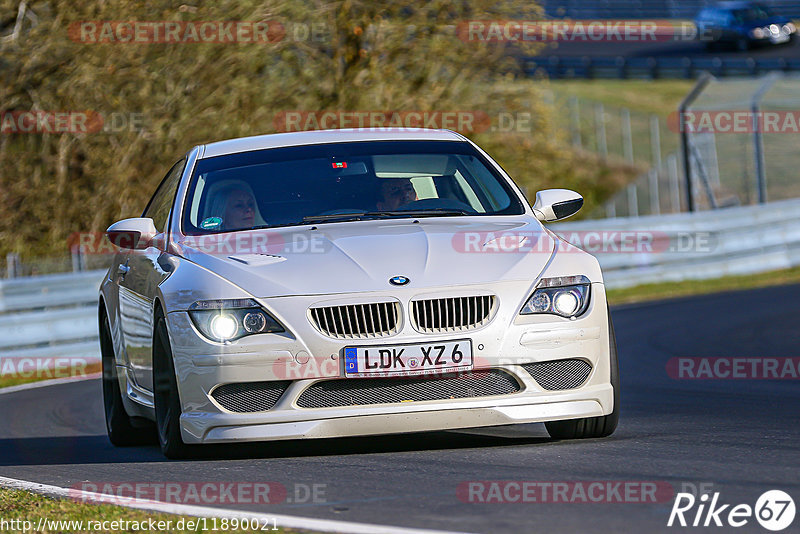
x: 408, y: 360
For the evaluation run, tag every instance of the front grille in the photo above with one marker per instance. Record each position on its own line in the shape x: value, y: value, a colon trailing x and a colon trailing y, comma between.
x: 364, y: 391
x: 559, y: 374
x: 455, y: 314
x: 244, y: 397
x: 355, y: 321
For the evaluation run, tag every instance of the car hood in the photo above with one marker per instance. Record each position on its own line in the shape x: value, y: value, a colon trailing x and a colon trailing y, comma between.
x: 363, y: 255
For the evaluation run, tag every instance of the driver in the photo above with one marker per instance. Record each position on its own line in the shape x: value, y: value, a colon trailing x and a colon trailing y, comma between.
x: 396, y: 192
x: 236, y: 207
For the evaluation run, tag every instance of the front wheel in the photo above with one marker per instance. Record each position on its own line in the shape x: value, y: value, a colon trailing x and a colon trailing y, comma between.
x: 167, y: 401
x: 593, y: 427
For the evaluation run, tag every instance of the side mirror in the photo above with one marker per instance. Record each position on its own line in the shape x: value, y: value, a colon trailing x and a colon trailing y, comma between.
x: 136, y: 233
x: 556, y: 204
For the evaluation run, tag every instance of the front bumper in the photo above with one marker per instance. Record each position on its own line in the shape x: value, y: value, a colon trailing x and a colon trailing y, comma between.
x: 507, y: 342
x: 392, y: 419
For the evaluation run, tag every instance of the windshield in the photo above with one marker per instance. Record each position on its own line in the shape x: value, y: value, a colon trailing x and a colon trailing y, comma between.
x: 343, y: 181
x: 755, y: 12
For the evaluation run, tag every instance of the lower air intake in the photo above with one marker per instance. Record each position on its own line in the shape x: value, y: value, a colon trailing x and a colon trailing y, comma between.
x: 559, y: 374
x: 245, y: 397
x: 364, y: 391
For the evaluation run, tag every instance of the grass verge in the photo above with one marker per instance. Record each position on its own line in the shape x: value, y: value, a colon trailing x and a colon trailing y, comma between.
x: 665, y: 290
x: 27, y: 375
x: 21, y: 511
x: 659, y: 97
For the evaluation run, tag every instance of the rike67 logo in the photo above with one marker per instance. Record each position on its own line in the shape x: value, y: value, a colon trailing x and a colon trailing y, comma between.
x: 774, y: 510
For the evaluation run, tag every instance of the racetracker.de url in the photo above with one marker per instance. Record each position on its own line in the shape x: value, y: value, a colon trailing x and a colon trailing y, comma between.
x: 195, y: 524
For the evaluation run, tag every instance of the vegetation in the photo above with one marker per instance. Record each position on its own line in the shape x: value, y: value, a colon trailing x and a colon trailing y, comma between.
x: 17, y: 506
x: 152, y: 102
x: 664, y: 290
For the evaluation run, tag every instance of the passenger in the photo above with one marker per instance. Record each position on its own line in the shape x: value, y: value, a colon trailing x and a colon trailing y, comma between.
x: 396, y: 192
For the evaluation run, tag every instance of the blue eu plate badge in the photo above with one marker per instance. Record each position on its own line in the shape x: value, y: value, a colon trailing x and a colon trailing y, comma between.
x: 350, y: 360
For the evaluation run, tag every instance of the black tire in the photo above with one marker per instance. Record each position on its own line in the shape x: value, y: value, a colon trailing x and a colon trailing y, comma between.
x: 119, y: 425
x: 593, y: 427
x: 167, y: 400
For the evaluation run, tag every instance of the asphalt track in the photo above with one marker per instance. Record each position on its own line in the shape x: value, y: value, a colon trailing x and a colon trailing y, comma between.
x: 740, y: 436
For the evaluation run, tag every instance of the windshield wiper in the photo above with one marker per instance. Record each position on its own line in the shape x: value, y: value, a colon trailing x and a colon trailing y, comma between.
x: 354, y: 216
x: 361, y: 215
x: 417, y: 213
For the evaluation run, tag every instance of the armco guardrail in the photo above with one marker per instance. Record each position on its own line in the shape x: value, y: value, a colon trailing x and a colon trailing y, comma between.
x: 47, y: 317
x: 49, y: 291
x: 56, y: 315
x: 691, y: 246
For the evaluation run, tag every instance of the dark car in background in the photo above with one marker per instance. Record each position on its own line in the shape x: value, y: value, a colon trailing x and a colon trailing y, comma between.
x: 743, y: 25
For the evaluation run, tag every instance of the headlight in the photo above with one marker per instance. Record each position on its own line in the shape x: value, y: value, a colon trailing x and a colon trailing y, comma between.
x: 227, y: 320
x: 789, y: 28
x: 567, y: 296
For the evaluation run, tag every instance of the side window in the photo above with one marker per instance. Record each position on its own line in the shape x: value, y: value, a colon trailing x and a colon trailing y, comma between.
x: 159, y: 206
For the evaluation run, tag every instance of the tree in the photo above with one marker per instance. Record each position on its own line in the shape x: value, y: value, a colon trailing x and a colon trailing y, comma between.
x: 152, y: 102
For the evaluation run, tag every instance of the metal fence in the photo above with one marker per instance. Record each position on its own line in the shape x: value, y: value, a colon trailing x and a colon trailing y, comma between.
x: 659, y: 191
x: 741, y: 137
x: 618, y: 133
x: 731, y: 153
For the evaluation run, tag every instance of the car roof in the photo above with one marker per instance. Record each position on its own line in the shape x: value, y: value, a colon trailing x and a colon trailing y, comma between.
x: 736, y: 4
x: 316, y: 137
